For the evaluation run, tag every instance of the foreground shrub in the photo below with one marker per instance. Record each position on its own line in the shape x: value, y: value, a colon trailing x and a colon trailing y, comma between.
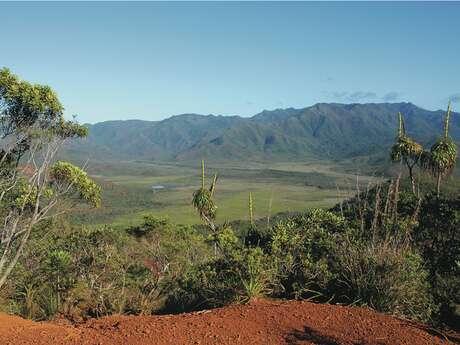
x: 238, y: 275
x: 302, y: 248
x: 321, y: 256
x: 82, y: 273
x: 384, y: 276
x: 318, y: 255
x: 438, y: 238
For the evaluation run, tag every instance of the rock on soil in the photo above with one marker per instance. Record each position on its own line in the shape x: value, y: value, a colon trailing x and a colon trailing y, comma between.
x: 262, y: 322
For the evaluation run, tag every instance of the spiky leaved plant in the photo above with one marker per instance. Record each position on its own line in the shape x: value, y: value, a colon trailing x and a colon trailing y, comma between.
x: 406, y: 150
x: 441, y: 159
x: 204, y: 204
x: 203, y: 200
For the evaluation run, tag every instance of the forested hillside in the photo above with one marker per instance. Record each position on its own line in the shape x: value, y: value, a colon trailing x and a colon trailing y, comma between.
x: 322, y: 131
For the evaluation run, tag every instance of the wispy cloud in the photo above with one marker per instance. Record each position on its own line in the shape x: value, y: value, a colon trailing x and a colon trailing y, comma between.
x: 358, y: 96
x: 455, y: 98
x: 364, y: 96
x: 391, y: 96
x: 355, y: 96
x: 339, y: 94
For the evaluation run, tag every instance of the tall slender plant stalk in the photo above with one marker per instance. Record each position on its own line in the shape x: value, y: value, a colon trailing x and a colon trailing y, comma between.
x: 251, y: 209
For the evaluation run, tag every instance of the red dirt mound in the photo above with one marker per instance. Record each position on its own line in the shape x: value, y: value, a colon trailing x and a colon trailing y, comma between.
x: 263, y: 322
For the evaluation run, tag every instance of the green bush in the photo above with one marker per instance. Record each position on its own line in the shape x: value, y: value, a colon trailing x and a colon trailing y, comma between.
x: 238, y: 275
x: 82, y: 273
x: 438, y: 238
x: 383, y: 275
x: 318, y: 255
x: 301, y: 249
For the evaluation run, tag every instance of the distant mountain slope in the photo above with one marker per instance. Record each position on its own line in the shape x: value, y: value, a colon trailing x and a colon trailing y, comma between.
x: 152, y: 140
x: 328, y: 131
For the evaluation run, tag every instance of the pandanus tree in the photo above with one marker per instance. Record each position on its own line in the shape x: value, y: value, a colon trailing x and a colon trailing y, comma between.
x: 441, y: 159
x: 406, y: 150
x: 203, y: 201
x: 33, y: 186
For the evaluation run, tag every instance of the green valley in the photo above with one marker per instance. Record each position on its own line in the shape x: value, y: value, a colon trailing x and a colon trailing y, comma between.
x: 134, y: 189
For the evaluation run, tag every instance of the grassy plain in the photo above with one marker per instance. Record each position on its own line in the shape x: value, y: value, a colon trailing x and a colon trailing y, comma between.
x: 276, y: 187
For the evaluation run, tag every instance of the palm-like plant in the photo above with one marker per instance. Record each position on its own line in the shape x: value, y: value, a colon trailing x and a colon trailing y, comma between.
x: 203, y: 201
x: 441, y: 159
x: 406, y: 150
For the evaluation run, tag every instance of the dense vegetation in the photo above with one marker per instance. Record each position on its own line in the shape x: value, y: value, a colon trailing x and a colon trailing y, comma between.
x: 394, y: 247
x: 387, y: 251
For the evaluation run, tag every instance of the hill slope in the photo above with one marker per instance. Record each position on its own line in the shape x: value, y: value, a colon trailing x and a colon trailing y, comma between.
x: 151, y: 140
x: 326, y: 131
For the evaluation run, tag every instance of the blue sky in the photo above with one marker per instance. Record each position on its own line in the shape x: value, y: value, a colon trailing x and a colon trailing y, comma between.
x: 115, y: 60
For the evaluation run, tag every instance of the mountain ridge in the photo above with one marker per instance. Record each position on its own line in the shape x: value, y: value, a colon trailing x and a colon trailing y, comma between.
x: 324, y: 130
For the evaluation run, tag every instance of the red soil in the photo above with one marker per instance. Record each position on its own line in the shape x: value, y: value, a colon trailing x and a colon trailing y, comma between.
x: 264, y: 323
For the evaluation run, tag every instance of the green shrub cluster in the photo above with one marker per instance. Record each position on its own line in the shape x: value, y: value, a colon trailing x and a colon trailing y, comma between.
x: 236, y: 276
x: 388, y: 251
x: 318, y: 255
x: 82, y: 273
x: 438, y: 238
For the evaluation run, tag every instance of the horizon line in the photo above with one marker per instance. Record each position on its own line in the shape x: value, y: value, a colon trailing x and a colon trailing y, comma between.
x: 260, y: 112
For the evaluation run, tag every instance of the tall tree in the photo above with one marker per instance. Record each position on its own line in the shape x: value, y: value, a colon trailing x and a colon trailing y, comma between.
x: 406, y: 150
x: 33, y: 186
x: 442, y: 157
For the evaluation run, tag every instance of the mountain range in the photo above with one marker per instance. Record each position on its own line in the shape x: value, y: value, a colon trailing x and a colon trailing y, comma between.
x: 322, y: 131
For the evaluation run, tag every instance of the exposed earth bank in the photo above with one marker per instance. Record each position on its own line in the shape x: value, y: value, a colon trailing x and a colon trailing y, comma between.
x: 262, y: 322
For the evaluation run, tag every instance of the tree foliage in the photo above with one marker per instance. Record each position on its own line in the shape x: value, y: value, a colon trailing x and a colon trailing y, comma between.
x: 64, y: 173
x: 32, y: 186
x: 406, y: 150
x: 442, y: 157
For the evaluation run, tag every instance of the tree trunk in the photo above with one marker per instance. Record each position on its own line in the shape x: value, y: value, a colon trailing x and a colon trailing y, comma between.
x: 411, y: 177
x: 438, y: 185
x: 15, y: 259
